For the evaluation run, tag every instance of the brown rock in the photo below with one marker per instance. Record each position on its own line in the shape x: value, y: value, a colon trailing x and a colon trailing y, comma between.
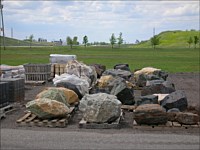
x: 151, y: 114
x: 187, y: 118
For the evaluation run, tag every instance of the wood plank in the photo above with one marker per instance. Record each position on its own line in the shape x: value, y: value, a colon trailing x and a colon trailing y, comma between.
x: 33, y: 116
x: 24, y: 117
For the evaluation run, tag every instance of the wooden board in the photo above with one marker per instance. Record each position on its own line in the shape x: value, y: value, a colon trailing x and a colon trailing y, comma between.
x: 29, y: 119
x: 5, y: 110
x: 167, y: 125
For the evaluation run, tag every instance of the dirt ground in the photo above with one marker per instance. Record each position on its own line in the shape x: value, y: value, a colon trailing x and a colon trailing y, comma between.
x: 189, y: 82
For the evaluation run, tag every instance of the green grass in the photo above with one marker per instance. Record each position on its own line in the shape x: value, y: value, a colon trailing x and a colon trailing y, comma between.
x: 171, y: 39
x: 168, y: 59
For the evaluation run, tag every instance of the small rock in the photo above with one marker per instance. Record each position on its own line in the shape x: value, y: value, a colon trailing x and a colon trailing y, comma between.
x: 151, y: 114
x: 122, y: 67
x: 176, y: 99
x: 148, y: 99
x: 171, y: 114
x: 187, y: 118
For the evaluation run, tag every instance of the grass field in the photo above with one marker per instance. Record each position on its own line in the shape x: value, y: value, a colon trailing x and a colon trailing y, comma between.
x: 168, y: 59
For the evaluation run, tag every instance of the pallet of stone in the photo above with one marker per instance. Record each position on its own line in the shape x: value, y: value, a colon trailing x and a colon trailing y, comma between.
x: 89, y: 125
x: 5, y: 110
x: 169, y: 124
x: 31, y: 120
x: 128, y: 107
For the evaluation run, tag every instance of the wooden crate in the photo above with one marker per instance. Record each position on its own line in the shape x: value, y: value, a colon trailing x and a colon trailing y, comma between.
x: 29, y: 119
x: 57, y: 69
x: 37, y: 72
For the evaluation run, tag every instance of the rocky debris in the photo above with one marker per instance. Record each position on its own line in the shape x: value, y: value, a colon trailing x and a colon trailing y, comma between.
x: 176, y: 99
x: 164, y: 88
x: 78, y: 85
x: 81, y: 70
x: 148, y: 99
x: 161, y: 97
x: 116, y: 86
x: 100, y: 108
x: 46, y: 108
x: 122, y: 67
x: 150, y: 114
x: 118, y: 72
x: 148, y: 73
x: 99, y: 69
x: 187, y: 118
x: 53, y: 94
x: 70, y: 95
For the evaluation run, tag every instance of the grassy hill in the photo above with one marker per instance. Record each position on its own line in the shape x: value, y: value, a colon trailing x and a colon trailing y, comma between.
x: 173, y: 39
x: 16, y: 42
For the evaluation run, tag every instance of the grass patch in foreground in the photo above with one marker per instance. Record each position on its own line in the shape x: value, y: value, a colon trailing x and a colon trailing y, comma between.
x: 171, y: 60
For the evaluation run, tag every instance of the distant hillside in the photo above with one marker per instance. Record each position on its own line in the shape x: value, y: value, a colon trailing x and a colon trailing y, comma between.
x: 174, y: 39
x: 16, y: 42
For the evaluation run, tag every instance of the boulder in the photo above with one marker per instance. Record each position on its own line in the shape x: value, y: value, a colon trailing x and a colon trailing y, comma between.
x: 120, y: 73
x: 79, y: 85
x: 148, y: 99
x: 99, y: 69
x: 53, y: 94
x: 187, y: 118
x: 100, y: 108
x: 116, y: 86
x: 81, y: 70
x: 71, y: 96
x: 148, y: 73
x: 46, y: 108
x: 122, y: 67
x: 176, y: 99
x: 164, y: 88
x: 150, y: 114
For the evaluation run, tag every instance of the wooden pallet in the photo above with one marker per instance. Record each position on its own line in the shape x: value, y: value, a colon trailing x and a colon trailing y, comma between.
x: 113, y: 125
x: 5, y: 110
x: 29, y: 119
x: 167, y: 125
x: 35, y: 82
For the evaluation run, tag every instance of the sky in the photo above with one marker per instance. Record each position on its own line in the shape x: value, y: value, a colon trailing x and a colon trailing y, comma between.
x: 54, y: 20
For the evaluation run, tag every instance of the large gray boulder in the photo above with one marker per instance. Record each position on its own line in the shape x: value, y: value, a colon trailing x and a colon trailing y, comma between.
x: 176, y: 99
x: 150, y: 114
x: 163, y: 88
x: 100, y: 108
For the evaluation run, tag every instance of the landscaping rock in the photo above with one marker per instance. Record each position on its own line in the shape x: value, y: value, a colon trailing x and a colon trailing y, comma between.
x: 100, y: 108
x: 171, y: 114
x: 116, y: 86
x: 187, y: 118
x: 154, y: 82
x: 150, y: 114
x: 122, y: 67
x: 78, y: 85
x: 176, y: 99
x: 46, y: 108
x: 71, y: 96
x: 164, y: 88
x: 148, y: 99
x: 118, y: 72
x: 99, y: 69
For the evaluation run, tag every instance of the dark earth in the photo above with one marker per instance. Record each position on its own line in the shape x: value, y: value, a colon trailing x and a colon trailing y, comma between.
x: 189, y: 82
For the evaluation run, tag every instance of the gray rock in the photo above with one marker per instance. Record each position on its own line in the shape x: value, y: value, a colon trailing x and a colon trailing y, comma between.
x: 151, y: 114
x: 154, y: 82
x: 100, y: 108
x: 173, y: 110
x: 99, y: 69
x: 171, y: 114
x: 118, y: 72
x: 122, y: 67
x: 176, y: 99
x: 164, y: 88
x: 148, y: 99
x: 187, y: 118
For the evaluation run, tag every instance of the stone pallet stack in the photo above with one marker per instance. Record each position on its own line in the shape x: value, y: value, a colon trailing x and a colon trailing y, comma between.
x: 16, y: 89
x: 4, y: 94
x: 37, y: 72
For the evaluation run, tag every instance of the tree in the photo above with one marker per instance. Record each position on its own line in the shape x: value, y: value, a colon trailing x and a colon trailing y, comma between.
x: 196, y: 39
x: 120, y: 39
x: 69, y: 41
x: 112, y: 40
x: 85, y: 40
x: 189, y: 41
x: 75, y: 40
x: 31, y: 39
x: 155, y: 40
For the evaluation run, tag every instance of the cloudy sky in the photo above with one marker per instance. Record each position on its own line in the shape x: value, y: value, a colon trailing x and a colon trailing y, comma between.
x: 54, y: 20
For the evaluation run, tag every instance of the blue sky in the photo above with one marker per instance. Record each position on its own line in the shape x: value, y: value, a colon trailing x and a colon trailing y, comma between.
x: 54, y: 20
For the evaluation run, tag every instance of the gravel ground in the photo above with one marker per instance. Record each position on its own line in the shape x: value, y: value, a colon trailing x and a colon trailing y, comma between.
x: 189, y: 82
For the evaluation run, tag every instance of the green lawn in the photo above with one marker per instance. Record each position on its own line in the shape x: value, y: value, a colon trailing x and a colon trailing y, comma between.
x: 168, y: 59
